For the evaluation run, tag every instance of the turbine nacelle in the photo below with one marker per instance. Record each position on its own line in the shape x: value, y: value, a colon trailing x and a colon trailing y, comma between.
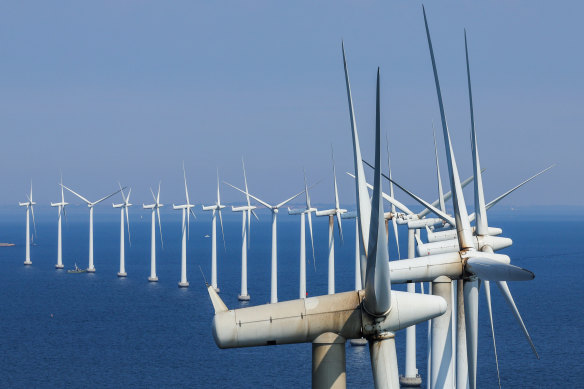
x: 445, y: 246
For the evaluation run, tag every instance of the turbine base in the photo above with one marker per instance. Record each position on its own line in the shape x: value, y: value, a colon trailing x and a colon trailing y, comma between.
x: 410, y: 382
x: 243, y: 297
x: 27, y: 263
x: 183, y: 284
x: 57, y: 266
x: 92, y: 270
x: 153, y: 279
x: 122, y: 274
x: 358, y: 342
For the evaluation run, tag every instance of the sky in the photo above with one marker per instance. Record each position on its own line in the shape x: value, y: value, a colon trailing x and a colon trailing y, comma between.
x: 127, y: 90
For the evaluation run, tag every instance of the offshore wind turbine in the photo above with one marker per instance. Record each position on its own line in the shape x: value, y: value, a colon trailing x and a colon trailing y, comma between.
x: 246, y: 211
x: 327, y: 321
x: 61, y: 211
x: 337, y: 211
x: 187, y: 210
x: 302, y: 212
x: 29, y: 210
x: 155, y: 207
x: 123, y: 209
x: 90, y: 205
x: 216, y: 208
x: 468, y: 265
x: 274, y: 209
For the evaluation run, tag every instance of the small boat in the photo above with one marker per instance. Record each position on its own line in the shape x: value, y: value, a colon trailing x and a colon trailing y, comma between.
x: 207, y: 236
x: 76, y: 270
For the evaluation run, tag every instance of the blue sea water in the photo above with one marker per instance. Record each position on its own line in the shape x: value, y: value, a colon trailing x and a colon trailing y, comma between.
x: 97, y: 330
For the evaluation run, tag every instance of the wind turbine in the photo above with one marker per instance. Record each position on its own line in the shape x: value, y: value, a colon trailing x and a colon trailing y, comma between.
x: 274, y: 209
x: 61, y: 211
x: 327, y: 321
x: 216, y: 208
x: 332, y: 213
x: 90, y: 205
x: 468, y: 265
x: 302, y: 212
x: 187, y: 210
x: 29, y: 209
x: 123, y: 209
x: 155, y: 207
x: 246, y: 211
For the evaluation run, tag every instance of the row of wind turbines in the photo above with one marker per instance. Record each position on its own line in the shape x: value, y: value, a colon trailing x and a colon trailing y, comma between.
x: 455, y: 262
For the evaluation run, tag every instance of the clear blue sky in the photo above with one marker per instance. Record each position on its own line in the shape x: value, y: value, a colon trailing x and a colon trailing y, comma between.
x: 127, y: 90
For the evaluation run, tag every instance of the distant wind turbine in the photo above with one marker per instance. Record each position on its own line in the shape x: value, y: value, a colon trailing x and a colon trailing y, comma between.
x: 29, y: 210
x: 123, y: 209
x: 333, y: 213
x: 90, y: 205
x: 187, y: 210
x: 155, y: 207
x: 307, y: 211
x: 61, y: 211
x: 216, y: 208
x: 274, y: 209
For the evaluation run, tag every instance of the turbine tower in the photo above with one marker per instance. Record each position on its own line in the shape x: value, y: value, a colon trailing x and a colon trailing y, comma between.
x: 216, y: 208
x: 29, y: 210
x: 155, y: 207
x: 274, y: 209
x: 90, y: 205
x: 61, y: 211
x: 302, y: 212
x: 246, y: 211
x: 123, y: 209
x: 187, y: 210
x: 333, y: 213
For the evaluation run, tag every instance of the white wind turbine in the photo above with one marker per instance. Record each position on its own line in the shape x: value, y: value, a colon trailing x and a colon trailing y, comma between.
x: 216, y: 208
x: 337, y: 211
x: 274, y: 209
x: 90, y: 205
x: 187, y: 210
x: 61, y: 211
x: 246, y: 211
x: 304, y: 212
x: 155, y: 207
x: 468, y: 265
x: 29, y: 210
x: 123, y: 209
x: 327, y: 321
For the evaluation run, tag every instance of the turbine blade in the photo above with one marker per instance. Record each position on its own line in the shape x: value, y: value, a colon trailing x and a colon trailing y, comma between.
x: 391, y: 200
x: 488, y: 295
x: 288, y: 200
x: 107, y: 197
x: 361, y: 195
x: 340, y: 227
x: 448, y: 195
x: 253, y: 197
x: 488, y: 269
x: 377, y: 300
x: 482, y: 226
x: 311, y: 238
x: 440, y: 192
x: 222, y: 233
x: 159, y: 226
x: 393, y: 221
x: 158, y: 194
x: 306, y: 190
x: 463, y: 228
x: 501, y: 197
x: 186, y: 188
x: 128, y: 225
x: 218, y: 194
x: 76, y: 194
x: 154, y: 197
x: 33, y: 221
x: 245, y: 181
x: 509, y: 300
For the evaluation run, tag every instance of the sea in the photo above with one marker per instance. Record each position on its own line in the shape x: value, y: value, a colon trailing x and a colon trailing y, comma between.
x: 60, y: 330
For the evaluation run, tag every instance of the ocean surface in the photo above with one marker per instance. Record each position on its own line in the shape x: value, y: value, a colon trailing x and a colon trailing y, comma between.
x: 64, y: 330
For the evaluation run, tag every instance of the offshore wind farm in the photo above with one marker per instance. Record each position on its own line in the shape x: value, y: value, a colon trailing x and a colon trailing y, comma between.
x: 392, y: 290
